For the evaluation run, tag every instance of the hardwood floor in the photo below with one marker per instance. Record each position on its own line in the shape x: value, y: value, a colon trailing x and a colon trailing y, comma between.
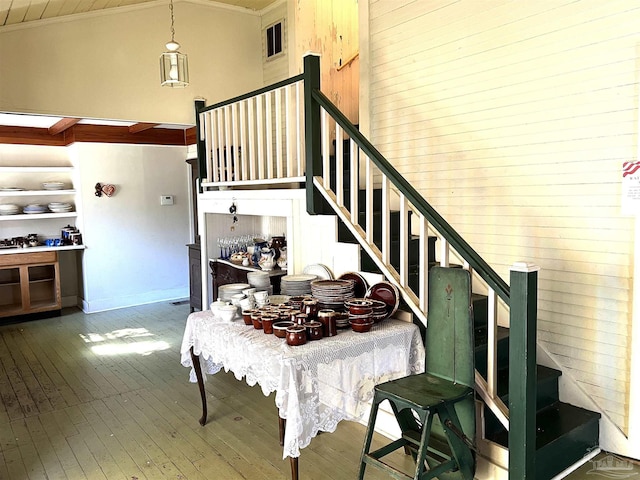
x: 103, y: 396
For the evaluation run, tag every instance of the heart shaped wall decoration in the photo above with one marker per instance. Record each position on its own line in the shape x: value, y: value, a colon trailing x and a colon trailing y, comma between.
x: 108, y: 189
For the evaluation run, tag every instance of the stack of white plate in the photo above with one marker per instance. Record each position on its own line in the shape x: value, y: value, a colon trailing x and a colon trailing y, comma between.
x: 60, y: 207
x: 259, y: 280
x: 296, y: 285
x: 53, y: 185
x: 11, y: 189
x: 225, y: 292
x: 9, y: 209
x: 34, y: 208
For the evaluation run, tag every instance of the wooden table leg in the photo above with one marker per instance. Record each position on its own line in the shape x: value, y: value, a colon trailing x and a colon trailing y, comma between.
x: 282, y: 423
x: 281, y: 426
x: 294, y: 467
x: 195, y: 359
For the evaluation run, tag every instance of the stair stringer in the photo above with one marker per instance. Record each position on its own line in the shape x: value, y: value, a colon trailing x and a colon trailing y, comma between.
x: 611, y: 438
x: 374, y: 252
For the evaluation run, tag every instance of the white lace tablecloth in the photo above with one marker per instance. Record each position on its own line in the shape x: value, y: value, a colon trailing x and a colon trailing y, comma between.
x: 317, y: 384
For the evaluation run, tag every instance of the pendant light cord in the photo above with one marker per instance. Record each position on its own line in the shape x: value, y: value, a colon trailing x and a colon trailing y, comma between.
x: 173, y: 32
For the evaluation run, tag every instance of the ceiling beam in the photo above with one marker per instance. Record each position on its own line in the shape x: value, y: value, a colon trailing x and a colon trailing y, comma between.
x: 141, y: 127
x: 96, y: 133
x: 62, y: 125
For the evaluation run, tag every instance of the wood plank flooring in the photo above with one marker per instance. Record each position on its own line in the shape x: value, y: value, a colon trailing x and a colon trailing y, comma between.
x: 103, y: 396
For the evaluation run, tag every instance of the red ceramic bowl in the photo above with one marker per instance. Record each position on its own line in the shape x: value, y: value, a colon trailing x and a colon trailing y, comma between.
x: 246, y: 316
x: 280, y: 328
x: 268, y: 320
x: 360, y: 310
x: 314, y: 330
x: 296, y: 335
x: 360, y: 319
x: 361, y: 327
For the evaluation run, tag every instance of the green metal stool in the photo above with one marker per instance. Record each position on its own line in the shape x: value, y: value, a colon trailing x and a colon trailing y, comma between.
x: 435, y: 410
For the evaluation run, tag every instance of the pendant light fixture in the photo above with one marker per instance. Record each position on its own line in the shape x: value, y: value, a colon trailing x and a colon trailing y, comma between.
x: 174, y: 70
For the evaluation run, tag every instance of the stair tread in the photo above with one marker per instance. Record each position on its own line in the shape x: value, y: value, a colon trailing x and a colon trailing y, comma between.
x: 554, y: 422
x: 542, y: 374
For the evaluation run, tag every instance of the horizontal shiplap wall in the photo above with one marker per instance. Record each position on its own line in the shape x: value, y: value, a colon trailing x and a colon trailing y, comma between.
x: 513, y: 118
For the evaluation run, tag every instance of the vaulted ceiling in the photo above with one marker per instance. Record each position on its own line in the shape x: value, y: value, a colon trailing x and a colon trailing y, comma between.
x: 51, y: 130
x: 20, y: 11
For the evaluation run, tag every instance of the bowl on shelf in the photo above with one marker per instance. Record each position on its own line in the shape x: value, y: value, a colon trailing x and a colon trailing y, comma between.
x: 59, y: 207
x: 34, y: 208
x: 9, y: 209
x: 53, y: 185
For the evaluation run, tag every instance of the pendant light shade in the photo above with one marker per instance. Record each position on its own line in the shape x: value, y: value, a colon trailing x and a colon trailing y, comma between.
x: 174, y: 69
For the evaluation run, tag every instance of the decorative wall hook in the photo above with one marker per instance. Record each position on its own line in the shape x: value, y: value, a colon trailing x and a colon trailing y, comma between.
x: 107, y: 189
x: 232, y: 210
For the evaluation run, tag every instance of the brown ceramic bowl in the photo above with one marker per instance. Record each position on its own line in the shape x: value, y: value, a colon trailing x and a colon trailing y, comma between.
x: 296, y: 335
x: 280, y: 328
x: 256, y: 319
x: 314, y: 330
x: 246, y: 316
x: 360, y: 310
x: 360, y: 319
x: 268, y: 320
x: 361, y: 327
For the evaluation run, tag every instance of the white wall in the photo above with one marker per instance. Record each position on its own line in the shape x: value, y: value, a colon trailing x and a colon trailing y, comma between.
x: 514, y: 119
x: 105, y: 65
x: 135, y: 248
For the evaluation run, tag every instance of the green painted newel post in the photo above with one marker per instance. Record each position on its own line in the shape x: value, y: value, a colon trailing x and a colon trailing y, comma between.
x: 200, y: 144
x: 522, y: 371
x: 312, y: 131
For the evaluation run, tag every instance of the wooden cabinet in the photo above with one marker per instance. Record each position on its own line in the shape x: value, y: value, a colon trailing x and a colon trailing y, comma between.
x: 195, y: 277
x: 29, y: 283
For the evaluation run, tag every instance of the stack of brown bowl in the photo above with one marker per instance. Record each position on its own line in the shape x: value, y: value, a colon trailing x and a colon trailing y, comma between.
x: 360, y: 314
x: 379, y: 310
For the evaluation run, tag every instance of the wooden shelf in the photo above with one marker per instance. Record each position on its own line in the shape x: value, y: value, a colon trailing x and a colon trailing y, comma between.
x: 43, y: 248
x: 37, y: 216
x: 36, y: 169
x: 37, y: 193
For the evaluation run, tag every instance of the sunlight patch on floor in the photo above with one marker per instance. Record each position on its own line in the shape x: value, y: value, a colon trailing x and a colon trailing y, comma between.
x: 105, y: 346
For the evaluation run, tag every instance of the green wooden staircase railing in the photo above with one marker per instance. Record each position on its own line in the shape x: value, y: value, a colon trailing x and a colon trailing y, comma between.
x: 280, y: 134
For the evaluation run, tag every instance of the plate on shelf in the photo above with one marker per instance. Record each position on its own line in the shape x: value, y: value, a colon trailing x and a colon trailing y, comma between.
x: 360, y: 284
x: 53, y: 185
x: 385, y: 292
x: 11, y: 189
x: 319, y: 270
x: 34, y: 208
x: 60, y: 207
x: 9, y: 209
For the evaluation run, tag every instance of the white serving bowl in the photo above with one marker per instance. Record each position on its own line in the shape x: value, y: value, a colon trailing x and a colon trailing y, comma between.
x: 227, y: 313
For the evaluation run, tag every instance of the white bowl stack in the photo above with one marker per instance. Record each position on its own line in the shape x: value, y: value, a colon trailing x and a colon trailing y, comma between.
x: 260, y: 281
x: 9, y: 209
x: 53, y: 185
x: 60, y: 207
